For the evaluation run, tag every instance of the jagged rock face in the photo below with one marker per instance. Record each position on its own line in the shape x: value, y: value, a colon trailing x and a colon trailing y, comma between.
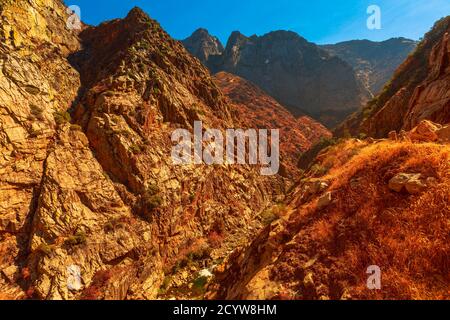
x: 418, y: 91
x: 77, y: 203
x: 298, y: 74
x: 257, y: 109
x: 203, y: 45
x: 374, y: 62
x: 101, y: 193
x: 147, y: 88
x: 352, y: 211
x: 37, y: 82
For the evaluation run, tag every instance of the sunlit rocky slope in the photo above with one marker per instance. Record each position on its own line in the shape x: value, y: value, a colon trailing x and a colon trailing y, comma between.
x: 86, y: 177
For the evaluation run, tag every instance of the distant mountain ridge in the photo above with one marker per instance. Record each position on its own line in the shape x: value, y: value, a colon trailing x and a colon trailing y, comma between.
x: 297, y: 73
x: 374, y: 62
x: 327, y: 82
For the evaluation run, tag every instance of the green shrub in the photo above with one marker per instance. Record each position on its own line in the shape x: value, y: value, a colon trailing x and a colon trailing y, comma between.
x: 153, y: 189
x: 165, y: 285
x: 136, y: 149
x: 117, y: 223
x: 149, y: 202
x: 46, y: 249
x: 199, y: 285
x: 109, y: 226
x: 61, y: 117
x: 200, y: 254
x: 108, y: 93
x: 76, y: 127
x: 78, y: 239
x: 34, y: 133
x: 153, y: 202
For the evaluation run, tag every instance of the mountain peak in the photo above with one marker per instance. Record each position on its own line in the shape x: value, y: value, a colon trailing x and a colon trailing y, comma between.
x: 137, y: 12
x: 235, y: 39
x: 201, y: 32
x: 203, y: 45
x: 418, y: 90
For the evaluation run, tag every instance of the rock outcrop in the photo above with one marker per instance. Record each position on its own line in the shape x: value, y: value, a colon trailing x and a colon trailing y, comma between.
x: 413, y: 183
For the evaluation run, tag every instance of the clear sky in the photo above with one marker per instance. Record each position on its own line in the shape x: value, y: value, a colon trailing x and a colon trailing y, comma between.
x: 320, y: 21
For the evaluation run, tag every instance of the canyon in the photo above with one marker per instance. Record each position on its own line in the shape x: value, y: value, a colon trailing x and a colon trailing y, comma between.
x: 88, y: 187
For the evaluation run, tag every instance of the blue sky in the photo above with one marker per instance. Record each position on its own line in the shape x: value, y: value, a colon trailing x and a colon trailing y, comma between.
x: 320, y: 21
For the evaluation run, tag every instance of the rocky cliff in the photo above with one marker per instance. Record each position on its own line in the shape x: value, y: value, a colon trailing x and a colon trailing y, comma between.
x: 86, y: 179
x: 37, y: 84
x: 374, y: 62
x: 298, y: 74
x: 418, y: 90
x: 259, y: 110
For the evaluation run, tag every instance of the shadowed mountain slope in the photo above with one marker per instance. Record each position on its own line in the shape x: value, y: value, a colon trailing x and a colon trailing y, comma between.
x: 298, y: 74
x: 258, y: 110
x: 374, y: 62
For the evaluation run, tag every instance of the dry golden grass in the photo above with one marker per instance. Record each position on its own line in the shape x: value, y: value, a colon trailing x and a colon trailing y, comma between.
x: 408, y: 236
x: 5, y: 297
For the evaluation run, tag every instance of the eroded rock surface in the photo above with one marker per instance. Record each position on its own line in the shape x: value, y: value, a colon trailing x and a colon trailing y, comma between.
x: 86, y: 177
